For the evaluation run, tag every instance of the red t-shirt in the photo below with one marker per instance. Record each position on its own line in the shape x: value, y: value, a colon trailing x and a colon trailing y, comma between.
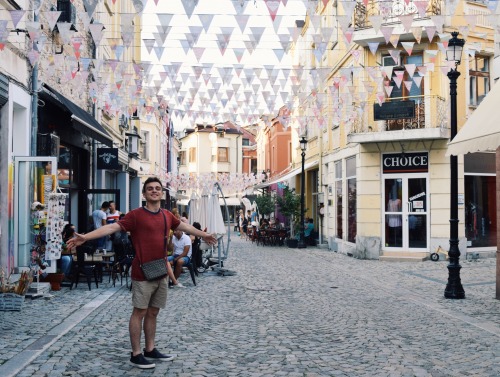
x: 148, y: 233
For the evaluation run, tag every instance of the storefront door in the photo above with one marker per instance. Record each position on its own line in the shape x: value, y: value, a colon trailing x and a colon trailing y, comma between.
x: 406, y: 223
x: 84, y: 202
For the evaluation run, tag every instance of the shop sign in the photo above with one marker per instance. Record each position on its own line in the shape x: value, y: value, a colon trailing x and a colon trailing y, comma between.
x: 417, y: 162
x: 394, y: 110
x: 107, y: 158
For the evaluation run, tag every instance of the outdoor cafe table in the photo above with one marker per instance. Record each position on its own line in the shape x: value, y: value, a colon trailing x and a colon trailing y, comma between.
x: 100, y: 260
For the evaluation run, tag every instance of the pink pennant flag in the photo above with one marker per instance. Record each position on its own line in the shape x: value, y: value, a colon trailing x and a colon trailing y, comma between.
x: 387, y: 71
x: 348, y: 34
x: 395, y: 55
x: 388, y: 89
x: 272, y: 7
x: 408, y: 85
x: 422, y: 70
x: 198, y: 52
x: 438, y: 21
x: 356, y: 54
x: 421, y: 7
x: 387, y: 32
x: 380, y: 98
x: 238, y: 52
x: 51, y: 18
x: 408, y: 46
x: 430, y: 30
x: 410, y: 68
x: 417, y: 33
x: 406, y: 21
x: 398, y: 81
x: 376, y: 22
x: 394, y: 39
x: 96, y: 30
x: 417, y: 80
x: 33, y: 57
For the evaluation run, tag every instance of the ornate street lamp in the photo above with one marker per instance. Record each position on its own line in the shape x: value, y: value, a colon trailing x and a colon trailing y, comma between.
x: 303, y: 146
x: 454, y: 288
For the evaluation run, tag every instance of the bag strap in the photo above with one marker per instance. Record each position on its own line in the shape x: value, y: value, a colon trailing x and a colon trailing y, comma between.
x: 164, y: 238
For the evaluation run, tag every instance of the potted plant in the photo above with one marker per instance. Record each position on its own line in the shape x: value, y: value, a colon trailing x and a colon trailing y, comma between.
x: 289, y: 206
x: 265, y: 204
x: 55, y: 279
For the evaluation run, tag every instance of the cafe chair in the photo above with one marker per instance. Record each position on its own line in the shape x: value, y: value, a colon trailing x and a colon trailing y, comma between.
x: 123, y: 260
x: 82, y: 268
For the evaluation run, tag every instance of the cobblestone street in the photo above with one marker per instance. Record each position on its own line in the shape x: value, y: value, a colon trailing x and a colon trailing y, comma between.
x: 286, y: 312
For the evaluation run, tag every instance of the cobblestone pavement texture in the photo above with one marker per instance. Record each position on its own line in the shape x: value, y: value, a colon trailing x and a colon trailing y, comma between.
x: 286, y: 312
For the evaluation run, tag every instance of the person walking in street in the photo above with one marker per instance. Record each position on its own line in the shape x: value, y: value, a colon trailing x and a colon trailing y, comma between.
x: 99, y: 218
x: 148, y: 226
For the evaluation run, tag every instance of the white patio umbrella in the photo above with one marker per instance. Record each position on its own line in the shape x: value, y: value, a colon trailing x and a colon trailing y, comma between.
x: 247, y: 204
x: 215, y: 219
x: 193, y: 207
x: 203, y: 213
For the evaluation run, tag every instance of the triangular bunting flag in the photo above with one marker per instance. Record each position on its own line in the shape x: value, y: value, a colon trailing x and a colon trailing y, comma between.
x: 417, y: 33
x: 430, y: 30
x: 16, y: 16
x: 387, y: 32
x: 272, y: 7
x: 206, y: 20
x: 51, y: 18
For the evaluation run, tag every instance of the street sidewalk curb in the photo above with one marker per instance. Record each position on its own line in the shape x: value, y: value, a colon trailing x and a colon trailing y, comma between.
x: 16, y: 364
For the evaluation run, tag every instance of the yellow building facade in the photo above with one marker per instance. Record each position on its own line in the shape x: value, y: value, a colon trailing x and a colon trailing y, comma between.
x: 384, y: 124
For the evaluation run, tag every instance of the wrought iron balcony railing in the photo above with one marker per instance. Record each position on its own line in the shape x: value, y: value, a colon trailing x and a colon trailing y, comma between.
x: 390, y: 10
x: 430, y: 112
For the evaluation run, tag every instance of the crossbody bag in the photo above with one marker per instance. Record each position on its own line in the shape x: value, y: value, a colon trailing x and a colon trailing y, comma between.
x: 156, y: 269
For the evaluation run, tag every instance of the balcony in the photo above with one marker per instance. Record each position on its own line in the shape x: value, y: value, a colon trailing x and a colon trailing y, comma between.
x: 428, y: 123
x: 390, y: 11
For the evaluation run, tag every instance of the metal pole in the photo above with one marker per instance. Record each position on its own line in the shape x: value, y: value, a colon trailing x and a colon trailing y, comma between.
x: 302, y: 243
x: 454, y: 288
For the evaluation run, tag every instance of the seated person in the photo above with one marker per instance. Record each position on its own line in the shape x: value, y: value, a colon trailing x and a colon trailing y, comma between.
x: 67, y: 259
x: 309, y: 231
x: 180, y: 243
x: 195, y: 244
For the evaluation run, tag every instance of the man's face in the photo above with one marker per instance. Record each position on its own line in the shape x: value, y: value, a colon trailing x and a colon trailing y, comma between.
x: 153, y: 192
x: 112, y: 207
x: 178, y: 234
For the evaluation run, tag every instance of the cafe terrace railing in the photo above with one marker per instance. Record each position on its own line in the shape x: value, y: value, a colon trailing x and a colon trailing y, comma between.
x: 390, y: 10
x: 430, y: 112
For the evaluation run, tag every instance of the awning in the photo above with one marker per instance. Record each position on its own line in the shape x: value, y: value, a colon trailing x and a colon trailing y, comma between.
x: 82, y: 120
x: 230, y: 201
x: 481, y: 132
x: 288, y: 175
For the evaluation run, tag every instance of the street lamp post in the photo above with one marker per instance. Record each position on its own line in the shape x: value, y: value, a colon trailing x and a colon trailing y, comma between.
x: 454, y: 288
x: 303, y: 145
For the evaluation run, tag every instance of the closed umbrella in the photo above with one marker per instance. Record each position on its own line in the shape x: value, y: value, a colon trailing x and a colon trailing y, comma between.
x: 215, y: 219
x: 193, y: 208
x: 202, y: 215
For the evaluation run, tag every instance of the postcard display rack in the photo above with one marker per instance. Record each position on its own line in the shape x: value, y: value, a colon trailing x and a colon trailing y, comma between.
x: 56, y: 204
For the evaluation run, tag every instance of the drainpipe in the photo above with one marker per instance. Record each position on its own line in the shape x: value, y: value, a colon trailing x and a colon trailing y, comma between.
x: 34, y: 104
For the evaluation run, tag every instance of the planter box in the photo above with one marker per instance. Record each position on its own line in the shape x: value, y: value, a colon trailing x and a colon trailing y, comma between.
x: 11, y: 302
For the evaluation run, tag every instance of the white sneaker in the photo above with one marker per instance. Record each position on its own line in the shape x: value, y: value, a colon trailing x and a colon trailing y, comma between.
x: 179, y: 285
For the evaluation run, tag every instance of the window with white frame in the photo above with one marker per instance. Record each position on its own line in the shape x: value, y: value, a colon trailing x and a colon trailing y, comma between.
x: 223, y: 154
x: 338, y: 199
x: 350, y: 169
x: 479, y: 78
x: 145, y: 145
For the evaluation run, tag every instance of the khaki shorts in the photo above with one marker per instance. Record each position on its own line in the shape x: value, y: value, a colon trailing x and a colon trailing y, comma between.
x: 147, y: 294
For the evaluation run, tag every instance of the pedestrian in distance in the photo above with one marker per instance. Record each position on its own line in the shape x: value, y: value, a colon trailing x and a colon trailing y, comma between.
x: 148, y: 226
x: 99, y: 217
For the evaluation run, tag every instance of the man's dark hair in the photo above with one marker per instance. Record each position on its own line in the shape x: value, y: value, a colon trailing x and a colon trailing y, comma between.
x: 111, y: 201
x: 149, y: 180
x: 105, y: 205
x: 197, y: 225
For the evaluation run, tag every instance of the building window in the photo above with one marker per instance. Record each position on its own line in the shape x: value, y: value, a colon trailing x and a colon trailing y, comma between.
x: 67, y: 10
x: 253, y: 165
x: 480, y: 199
x: 246, y: 142
x: 222, y: 154
x: 145, y: 145
x: 192, y: 154
x: 182, y: 157
x: 400, y: 73
x: 338, y: 199
x: 350, y: 168
x: 479, y: 77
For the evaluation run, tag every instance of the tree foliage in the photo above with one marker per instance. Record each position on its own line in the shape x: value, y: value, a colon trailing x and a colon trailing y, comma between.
x: 266, y: 204
x: 289, y: 206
